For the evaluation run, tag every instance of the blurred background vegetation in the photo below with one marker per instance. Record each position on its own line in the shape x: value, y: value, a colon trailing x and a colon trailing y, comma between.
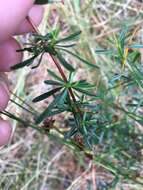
x: 32, y: 161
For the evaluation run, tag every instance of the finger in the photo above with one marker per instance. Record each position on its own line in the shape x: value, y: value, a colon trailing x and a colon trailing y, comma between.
x: 35, y: 14
x: 4, y: 92
x: 12, y: 14
x: 8, y: 54
x: 5, y: 132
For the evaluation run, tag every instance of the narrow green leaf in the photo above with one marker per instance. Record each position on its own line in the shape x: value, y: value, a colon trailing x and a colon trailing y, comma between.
x: 46, y: 95
x: 38, y: 37
x: 55, y: 33
x: 65, y: 63
x: 65, y: 46
x: 81, y: 59
x: 24, y: 63
x: 55, y: 112
x: 29, y: 49
x: 85, y: 92
x: 84, y: 84
x: 103, y: 51
x: 135, y: 56
x: 42, y: 2
x: 50, y: 109
x: 63, y: 97
x: 39, y: 61
x: 123, y: 36
x: 70, y: 37
x: 54, y: 75
x: 52, y: 82
x: 138, y: 46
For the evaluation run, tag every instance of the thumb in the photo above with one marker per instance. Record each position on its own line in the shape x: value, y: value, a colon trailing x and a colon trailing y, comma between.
x: 12, y: 13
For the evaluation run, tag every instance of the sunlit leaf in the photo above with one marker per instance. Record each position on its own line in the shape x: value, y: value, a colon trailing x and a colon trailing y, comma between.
x: 83, y: 84
x: 71, y: 37
x: 103, y: 51
x: 138, y: 46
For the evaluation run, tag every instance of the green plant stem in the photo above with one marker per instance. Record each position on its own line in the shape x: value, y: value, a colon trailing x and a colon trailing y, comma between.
x: 35, y: 29
x: 63, y: 76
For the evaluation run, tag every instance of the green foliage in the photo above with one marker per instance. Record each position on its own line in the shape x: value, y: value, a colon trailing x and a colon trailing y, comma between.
x: 96, y: 118
x: 50, y: 43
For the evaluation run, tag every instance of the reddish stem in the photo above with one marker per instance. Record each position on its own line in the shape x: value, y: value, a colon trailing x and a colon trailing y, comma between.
x: 35, y: 29
x: 63, y: 76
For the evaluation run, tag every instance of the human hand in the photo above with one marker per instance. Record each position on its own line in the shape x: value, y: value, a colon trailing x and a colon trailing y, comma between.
x: 12, y: 22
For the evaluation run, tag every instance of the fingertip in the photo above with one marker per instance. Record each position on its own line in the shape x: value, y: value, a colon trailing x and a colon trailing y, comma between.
x: 5, y: 132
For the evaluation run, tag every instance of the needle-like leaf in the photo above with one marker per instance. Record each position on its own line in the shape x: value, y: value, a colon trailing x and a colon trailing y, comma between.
x: 24, y: 63
x: 71, y: 37
x: 65, y: 63
x: 51, y: 82
x: 46, y: 95
x: 42, y: 2
x: 81, y: 59
x: 54, y: 75
x: 50, y: 110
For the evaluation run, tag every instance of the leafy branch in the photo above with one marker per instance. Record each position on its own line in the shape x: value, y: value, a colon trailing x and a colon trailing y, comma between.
x: 96, y: 116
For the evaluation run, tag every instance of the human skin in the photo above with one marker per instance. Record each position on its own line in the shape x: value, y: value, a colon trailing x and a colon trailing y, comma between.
x: 12, y: 22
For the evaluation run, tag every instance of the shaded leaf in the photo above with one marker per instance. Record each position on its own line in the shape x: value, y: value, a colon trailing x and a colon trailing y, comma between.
x: 29, y: 49
x: 51, y: 82
x: 42, y: 2
x: 81, y: 59
x: 65, y: 63
x: 50, y: 110
x: 65, y: 46
x: 24, y: 63
x: 46, y: 95
x: 39, y: 62
x: 63, y: 97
